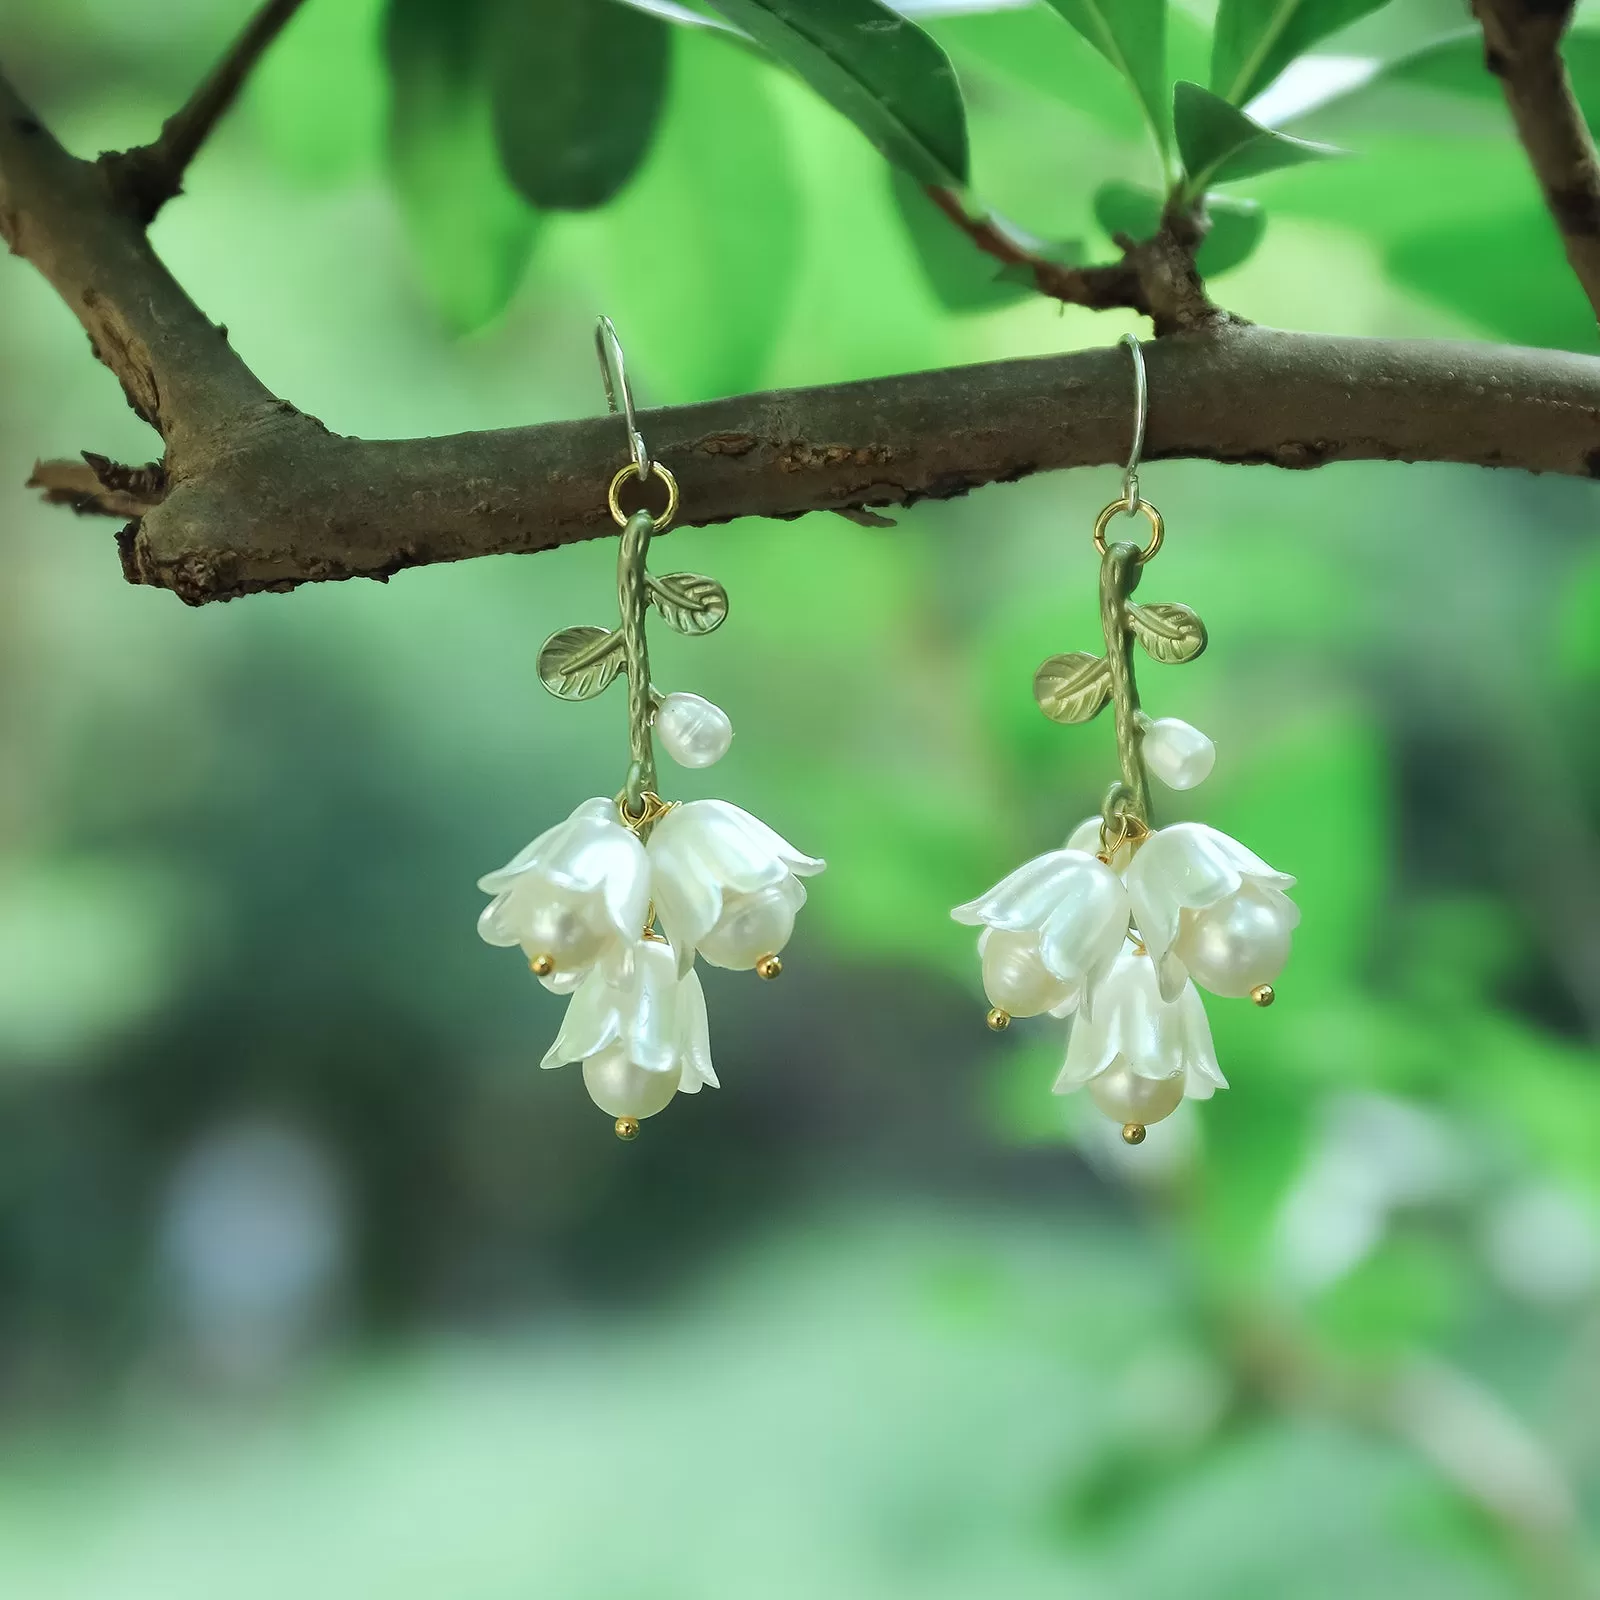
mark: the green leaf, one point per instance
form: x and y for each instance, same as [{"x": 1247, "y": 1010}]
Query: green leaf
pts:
[
  {"x": 1505, "y": 271},
  {"x": 719, "y": 183},
  {"x": 962, "y": 277},
  {"x": 578, "y": 87},
  {"x": 1453, "y": 65},
  {"x": 1220, "y": 144},
  {"x": 884, "y": 73},
  {"x": 1254, "y": 40},
  {"x": 688, "y": 602},
  {"x": 470, "y": 233},
  {"x": 1236, "y": 225},
  {"x": 1073, "y": 688},
  {"x": 577, "y": 663},
  {"x": 1028, "y": 45},
  {"x": 1170, "y": 633},
  {"x": 1132, "y": 36}
]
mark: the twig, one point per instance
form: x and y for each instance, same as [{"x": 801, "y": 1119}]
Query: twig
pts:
[
  {"x": 1156, "y": 277},
  {"x": 150, "y": 175},
  {"x": 96, "y": 486},
  {"x": 1522, "y": 47}
]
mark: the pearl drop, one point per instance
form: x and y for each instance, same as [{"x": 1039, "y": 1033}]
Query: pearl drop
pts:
[
  {"x": 751, "y": 926},
  {"x": 1015, "y": 979},
  {"x": 1240, "y": 942},
  {"x": 1124, "y": 1096},
  {"x": 692, "y": 731},
  {"x": 571, "y": 929},
  {"x": 622, "y": 1089},
  {"x": 1178, "y": 754}
]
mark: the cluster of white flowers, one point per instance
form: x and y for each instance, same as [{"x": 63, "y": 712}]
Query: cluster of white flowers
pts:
[
  {"x": 582, "y": 901},
  {"x": 1117, "y": 939}
]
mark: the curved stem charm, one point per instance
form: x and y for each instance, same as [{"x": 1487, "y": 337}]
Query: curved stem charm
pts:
[
  {"x": 1119, "y": 576},
  {"x": 633, "y": 602},
  {"x": 1077, "y": 687}
]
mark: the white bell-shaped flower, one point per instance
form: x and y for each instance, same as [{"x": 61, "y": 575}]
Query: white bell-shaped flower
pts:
[
  {"x": 1139, "y": 1054},
  {"x": 574, "y": 898},
  {"x": 725, "y": 884},
  {"x": 640, "y": 1041},
  {"x": 1054, "y": 927},
  {"x": 1209, "y": 909}
]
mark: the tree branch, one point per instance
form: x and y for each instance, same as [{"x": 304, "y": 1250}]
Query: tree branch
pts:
[
  {"x": 257, "y": 496},
  {"x": 1156, "y": 277},
  {"x": 1522, "y": 47},
  {"x": 149, "y": 175},
  {"x": 306, "y": 505}
]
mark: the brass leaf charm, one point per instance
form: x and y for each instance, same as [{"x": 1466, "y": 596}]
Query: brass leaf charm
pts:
[
  {"x": 688, "y": 602},
  {"x": 1170, "y": 633},
  {"x": 577, "y": 663},
  {"x": 1074, "y": 687}
]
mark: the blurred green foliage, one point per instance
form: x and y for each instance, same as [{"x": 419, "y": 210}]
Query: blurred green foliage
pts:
[{"x": 309, "y": 1280}]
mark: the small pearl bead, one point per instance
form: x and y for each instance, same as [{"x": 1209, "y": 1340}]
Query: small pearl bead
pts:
[
  {"x": 570, "y": 929},
  {"x": 692, "y": 731},
  {"x": 621, "y": 1089},
  {"x": 1127, "y": 1097},
  {"x": 1179, "y": 755},
  {"x": 1237, "y": 945},
  {"x": 1015, "y": 979},
  {"x": 751, "y": 926}
]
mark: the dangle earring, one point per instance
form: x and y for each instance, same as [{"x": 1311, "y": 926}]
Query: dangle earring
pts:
[
  {"x": 1116, "y": 929},
  {"x": 584, "y": 900}
]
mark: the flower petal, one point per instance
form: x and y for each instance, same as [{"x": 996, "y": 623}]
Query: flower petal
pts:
[
  {"x": 1089, "y": 924},
  {"x": 1088, "y": 1054},
  {"x": 627, "y": 886},
  {"x": 592, "y": 1021},
  {"x": 764, "y": 838},
  {"x": 695, "y": 1038},
  {"x": 550, "y": 842},
  {"x": 1186, "y": 1038},
  {"x": 493, "y": 924},
  {"x": 1025, "y": 900},
  {"x": 687, "y": 900},
  {"x": 710, "y": 836},
  {"x": 650, "y": 1018}
]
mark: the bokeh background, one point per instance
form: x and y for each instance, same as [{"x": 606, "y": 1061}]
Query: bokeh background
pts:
[{"x": 311, "y": 1283}]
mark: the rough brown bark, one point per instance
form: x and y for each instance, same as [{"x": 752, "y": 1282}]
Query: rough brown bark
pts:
[
  {"x": 254, "y": 495},
  {"x": 300, "y": 504}
]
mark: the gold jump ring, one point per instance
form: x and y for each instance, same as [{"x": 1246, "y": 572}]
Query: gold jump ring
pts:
[
  {"x": 1101, "y": 523},
  {"x": 631, "y": 470}
]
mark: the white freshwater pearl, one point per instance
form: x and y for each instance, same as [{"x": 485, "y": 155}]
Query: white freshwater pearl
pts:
[
  {"x": 1178, "y": 754},
  {"x": 1015, "y": 979},
  {"x": 622, "y": 1089},
  {"x": 572, "y": 930},
  {"x": 692, "y": 731},
  {"x": 1124, "y": 1096},
  {"x": 1238, "y": 943},
  {"x": 751, "y": 926}
]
